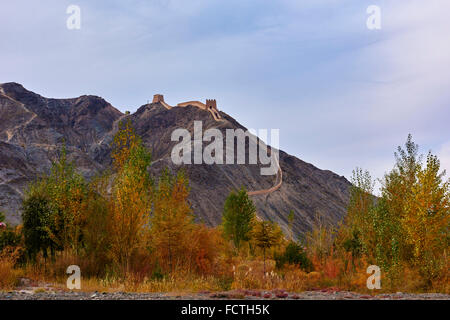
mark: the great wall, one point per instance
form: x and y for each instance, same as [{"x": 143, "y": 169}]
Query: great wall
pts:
[{"x": 211, "y": 107}]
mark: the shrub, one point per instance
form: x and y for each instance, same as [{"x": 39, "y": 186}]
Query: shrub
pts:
[
  {"x": 295, "y": 255},
  {"x": 9, "y": 238}
]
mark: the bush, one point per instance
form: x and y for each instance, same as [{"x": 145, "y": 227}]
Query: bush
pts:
[
  {"x": 294, "y": 255},
  {"x": 9, "y": 238}
]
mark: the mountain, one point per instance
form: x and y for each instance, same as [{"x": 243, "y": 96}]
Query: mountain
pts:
[{"x": 33, "y": 130}]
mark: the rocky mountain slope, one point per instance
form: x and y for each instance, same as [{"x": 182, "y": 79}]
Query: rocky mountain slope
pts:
[{"x": 33, "y": 129}]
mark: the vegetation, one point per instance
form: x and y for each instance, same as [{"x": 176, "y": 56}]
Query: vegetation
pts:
[
  {"x": 406, "y": 230},
  {"x": 238, "y": 217},
  {"x": 294, "y": 254},
  {"x": 266, "y": 234},
  {"x": 129, "y": 230}
]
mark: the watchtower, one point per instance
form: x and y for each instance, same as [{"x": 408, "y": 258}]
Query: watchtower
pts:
[
  {"x": 211, "y": 104},
  {"x": 158, "y": 98}
]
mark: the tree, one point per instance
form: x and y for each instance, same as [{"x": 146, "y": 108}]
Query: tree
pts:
[
  {"x": 96, "y": 232},
  {"x": 426, "y": 218},
  {"x": 418, "y": 197},
  {"x": 266, "y": 234},
  {"x": 388, "y": 239},
  {"x": 356, "y": 234},
  {"x": 66, "y": 192},
  {"x": 238, "y": 216},
  {"x": 52, "y": 210},
  {"x": 130, "y": 200},
  {"x": 37, "y": 220},
  {"x": 408, "y": 224},
  {"x": 171, "y": 222}
]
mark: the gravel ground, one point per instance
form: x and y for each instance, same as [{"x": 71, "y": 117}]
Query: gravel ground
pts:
[{"x": 326, "y": 294}]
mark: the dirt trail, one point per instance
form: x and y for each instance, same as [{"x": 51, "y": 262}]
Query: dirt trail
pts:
[{"x": 278, "y": 178}]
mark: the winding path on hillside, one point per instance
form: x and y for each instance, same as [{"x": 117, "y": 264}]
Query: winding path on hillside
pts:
[{"x": 277, "y": 186}]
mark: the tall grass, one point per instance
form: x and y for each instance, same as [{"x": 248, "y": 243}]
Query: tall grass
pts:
[{"x": 9, "y": 275}]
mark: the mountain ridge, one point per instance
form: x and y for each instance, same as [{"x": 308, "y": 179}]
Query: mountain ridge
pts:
[{"x": 33, "y": 128}]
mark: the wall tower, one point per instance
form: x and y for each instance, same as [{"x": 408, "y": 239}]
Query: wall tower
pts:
[
  {"x": 211, "y": 104},
  {"x": 158, "y": 98}
]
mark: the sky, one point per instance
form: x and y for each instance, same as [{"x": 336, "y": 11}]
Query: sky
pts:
[{"x": 342, "y": 95}]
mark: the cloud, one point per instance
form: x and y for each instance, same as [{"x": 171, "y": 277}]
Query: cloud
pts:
[{"x": 341, "y": 95}]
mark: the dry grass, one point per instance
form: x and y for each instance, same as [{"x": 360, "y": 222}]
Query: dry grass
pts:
[
  {"x": 240, "y": 272},
  {"x": 189, "y": 284},
  {"x": 9, "y": 275}
]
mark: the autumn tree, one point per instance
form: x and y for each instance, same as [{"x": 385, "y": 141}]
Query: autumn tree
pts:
[
  {"x": 418, "y": 197},
  {"x": 408, "y": 224},
  {"x": 171, "y": 222},
  {"x": 266, "y": 234},
  {"x": 238, "y": 216},
  {"x": 130, "y": 202},
  {"x": 426, "y": 218}
]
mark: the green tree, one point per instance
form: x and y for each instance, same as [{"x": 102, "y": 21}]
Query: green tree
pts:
[
  {"x": 37, "y": 221},
  {"x": 96, "y": 235},
  {"x": 53, "y": 210},
  {"x": 356, "y": 234},
  {"x": 388, "y": 239},
  {"x": 66, "y": 191},
  {"x": 238, "y": 217}
]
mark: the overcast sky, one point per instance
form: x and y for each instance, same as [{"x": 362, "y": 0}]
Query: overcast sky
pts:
[{"x": 342, "y": 95}]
